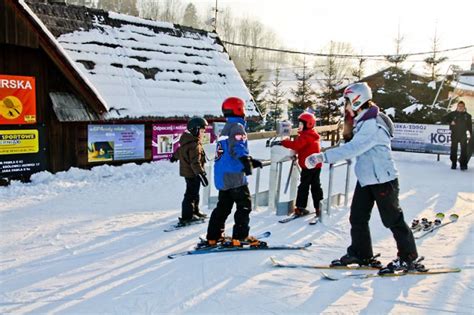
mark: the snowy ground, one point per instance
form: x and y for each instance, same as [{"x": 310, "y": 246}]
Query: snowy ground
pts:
[{"x": 93, "y": 242}]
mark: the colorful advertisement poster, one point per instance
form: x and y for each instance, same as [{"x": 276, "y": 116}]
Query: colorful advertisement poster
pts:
[
  {"x": 422, "y": 138},
  {"x": 19, "y": 141},
  {"x": 17, "y": 100},
  {"x": 115, "y": 142},
  {"x": 165, "y": 139},
  {"x": 22, "y": 152}
]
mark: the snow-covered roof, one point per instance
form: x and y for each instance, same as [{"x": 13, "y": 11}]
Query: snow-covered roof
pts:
[
  {"x": 144, "y": 68},
  {"x": 464, "y": 82}
]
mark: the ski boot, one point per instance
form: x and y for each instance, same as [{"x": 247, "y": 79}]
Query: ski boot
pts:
[
  {"x": 317, "y": 212},
  {"x": 206, "y": 243},
  {"x": 301, "y": 212},
  {"x": 348, "y": 259},
  {"x": 401, "y": 266},
  {"x": 199, "y": 214},
  {"x": 250, "y": 241}
]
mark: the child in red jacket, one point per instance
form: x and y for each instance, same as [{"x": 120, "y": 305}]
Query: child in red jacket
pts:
[{"x": 306, "y": 144}]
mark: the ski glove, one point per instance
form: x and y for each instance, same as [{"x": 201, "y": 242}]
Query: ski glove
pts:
[
  {"x": 314, "y": 159},
  {"x": 256, "y": 163},
  {"x": 173, "y": 159},
  {"x": 203, "y": 179},
  {"x": 247, "y": 165}
]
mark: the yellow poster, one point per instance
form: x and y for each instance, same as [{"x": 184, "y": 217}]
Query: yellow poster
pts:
[{"x": 19, "y": 141}]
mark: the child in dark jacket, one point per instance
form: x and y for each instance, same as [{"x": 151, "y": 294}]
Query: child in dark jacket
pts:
[
  {"x": 191, "y": 159},
  {"x": 306, "y": 144}
]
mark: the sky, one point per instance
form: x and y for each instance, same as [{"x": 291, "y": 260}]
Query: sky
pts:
[{"x": 370, "y": 26}]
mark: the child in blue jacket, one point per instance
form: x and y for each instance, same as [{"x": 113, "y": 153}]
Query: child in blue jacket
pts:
[{"x": 232, "y": 165}]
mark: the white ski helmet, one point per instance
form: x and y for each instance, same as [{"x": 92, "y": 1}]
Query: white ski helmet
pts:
[{"x": 358, "y": 94}]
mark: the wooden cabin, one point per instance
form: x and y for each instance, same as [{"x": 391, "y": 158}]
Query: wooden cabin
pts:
[{"x": 102, "y": 82}]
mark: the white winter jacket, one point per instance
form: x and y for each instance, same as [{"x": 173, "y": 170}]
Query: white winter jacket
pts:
[{"x": 371, "y": 147}]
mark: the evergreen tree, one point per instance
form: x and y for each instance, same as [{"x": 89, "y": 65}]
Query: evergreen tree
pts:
[
  {"x": 303, "y": 96},
  {"x": 274, "y": 101},
  {"x": 434, "y": 60},
  {"x": 190, "y": 17},
  {"x": 336, "y": 71},
  {"x": 398, "y": 58},
  {"x": 254, "y": 83}
]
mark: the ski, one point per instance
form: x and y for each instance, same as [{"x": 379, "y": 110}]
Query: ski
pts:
[
  {"x": 314, "y": 220},
  {"x": 180, "y": 225},
  {"x": 258, "y": 237},
  {"x": 452, "y": 219},
  {"x": 429, "y": 272},
  {"x": 223, "y": 249},
  {"x": 281, "y": 264},
  {"x": 292, "y": 217}
]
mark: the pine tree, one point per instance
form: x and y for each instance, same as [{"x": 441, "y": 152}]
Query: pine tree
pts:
[
  {"x": 303, "y": 96},
  {"x": 274, "y": 101},
  {"x": 254, "y": 83},
  {"x": 190, "y": 17},
  {"x": 434, "y": 60},
  {"x": 336, "y": 70},
  {"x": 398, "y": 58}
]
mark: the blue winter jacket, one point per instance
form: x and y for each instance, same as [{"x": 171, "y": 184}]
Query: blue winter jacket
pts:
[
  {"x": 371, "y": 147},
  {"x": 231, "y": 145}
]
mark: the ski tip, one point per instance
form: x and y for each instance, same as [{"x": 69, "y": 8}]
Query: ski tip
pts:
[
  {"x": 326, "y": 276},
  {"x": 308, "y": 245},
  {"x": 274, "y": 261}
]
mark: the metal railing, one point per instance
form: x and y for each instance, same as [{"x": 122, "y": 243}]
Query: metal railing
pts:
[{"x": 330, "y": 198}]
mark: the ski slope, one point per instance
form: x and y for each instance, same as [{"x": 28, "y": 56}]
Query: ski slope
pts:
[{"x": 92, "y": 241}]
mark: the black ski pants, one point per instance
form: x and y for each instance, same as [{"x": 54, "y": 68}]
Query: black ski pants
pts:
[
  {"x": 386, "y": 197},
  {"x": 310, "y": 179},
  {"x": 190, "y": 204},
  {"x": 454, "y": 150},
  {"x": 243, "y": 200}
]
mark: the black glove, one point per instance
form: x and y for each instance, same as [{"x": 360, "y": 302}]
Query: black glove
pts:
[
  {"x": 256, "y": 163},
  {"x": 247, "y": 165},
  {"x": 173, "y": 159},
  {"x": 203, "y": 179},
  {"x": 275, "y": 143}
]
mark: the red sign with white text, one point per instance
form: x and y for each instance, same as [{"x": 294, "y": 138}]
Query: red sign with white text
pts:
[{"x": 17, "y": 100}]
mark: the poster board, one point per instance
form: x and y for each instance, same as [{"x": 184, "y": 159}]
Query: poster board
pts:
[
  {"x": 422, "y": 138},
  {"x": 17, "y": 100},
  {"x": 115, "y": 143}
]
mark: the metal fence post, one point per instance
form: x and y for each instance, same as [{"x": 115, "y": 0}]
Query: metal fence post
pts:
[
  {"x": 207, "y": 191},
  {"x": 328, "y": 204},
  {"x": 257, "y": 188},
  {"x": 346, "y": 190}
]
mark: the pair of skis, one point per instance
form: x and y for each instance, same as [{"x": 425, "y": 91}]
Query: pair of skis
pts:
[
  {"x": 292, "y": 217},
  {"x": 245, "y": 247},
  {"x": 325, "y": 275},
  {"x": 181, "y": 225},
  {"x": 425, "y": 227}
]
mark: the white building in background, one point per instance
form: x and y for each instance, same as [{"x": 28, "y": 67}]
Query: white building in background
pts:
[{"x": 464, "y": 88}]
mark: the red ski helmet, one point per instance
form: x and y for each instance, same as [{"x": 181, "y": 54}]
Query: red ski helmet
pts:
[
  {"x": 233, "y": 106},
  {"x": 308, "y": 120}
]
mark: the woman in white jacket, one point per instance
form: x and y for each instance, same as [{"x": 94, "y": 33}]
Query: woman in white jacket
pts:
[{"x": 377, "y": 182}]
